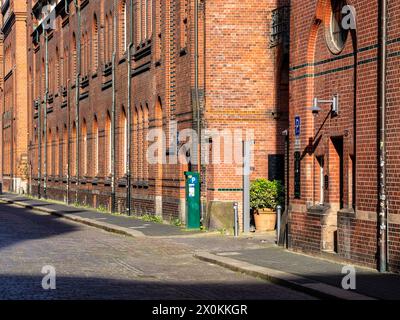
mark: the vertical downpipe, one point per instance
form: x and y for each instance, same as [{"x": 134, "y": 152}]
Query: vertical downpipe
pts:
[
  {"x": 46, "y": 94},
  {"x": 383, "y": 241},
  {"x": 68, "y": 121},
  {"x": 68, "y": 139},
  {"x": 77, "y": 89},
  {"x": 113, "y": 111},
  {"x": 128, "y": 114},
  {"x": 196, "y": 82},
  {"x": 39, "y": 145}
]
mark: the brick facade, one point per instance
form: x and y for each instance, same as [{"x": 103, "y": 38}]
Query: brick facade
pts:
[
  {"x": 345, "y": 222},
  {"x": 14, "y": 103},
  {"x": 242, "y": 80}
]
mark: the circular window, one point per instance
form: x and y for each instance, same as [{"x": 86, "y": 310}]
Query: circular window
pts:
[{"x": 336, "y": 35}]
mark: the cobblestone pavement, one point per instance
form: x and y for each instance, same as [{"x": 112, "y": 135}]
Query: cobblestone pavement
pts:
[{"x": 94, "y": 264}]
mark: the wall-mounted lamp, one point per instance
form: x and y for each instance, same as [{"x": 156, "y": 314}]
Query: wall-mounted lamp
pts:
[{"x": 334, "y": 105}]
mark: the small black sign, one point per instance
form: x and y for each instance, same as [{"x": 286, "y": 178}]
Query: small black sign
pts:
[
  {"x": 276, "y": 167},
  {"x": 297, "y": 175}
]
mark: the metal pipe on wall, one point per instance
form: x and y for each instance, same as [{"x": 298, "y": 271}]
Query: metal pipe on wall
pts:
[
  {"x": 39, "y": 149},
  {"x": 383, "y": 224},
  {"x": 128, "y": 115},
  {"x": 113, "y": 107},
  {"x": 46, "y": 94},
  {"x": 68, "y": 140},
  {"x": 77, "y": 89},
  {"x": 196, "y": 82}
]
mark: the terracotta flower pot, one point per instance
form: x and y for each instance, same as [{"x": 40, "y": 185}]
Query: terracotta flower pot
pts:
[{"x": 265, "y": 219}]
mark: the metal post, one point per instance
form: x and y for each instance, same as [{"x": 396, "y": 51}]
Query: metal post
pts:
[
  {"x": 236, "y": 217},
  {"x": 246, "y": 184},
  {"x": 278, "y": 223}
]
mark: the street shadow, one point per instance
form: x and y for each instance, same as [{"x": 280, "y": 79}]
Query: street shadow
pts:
[
  {"x": 23, "y": 287},
  {"x": 21, "y": 224}
]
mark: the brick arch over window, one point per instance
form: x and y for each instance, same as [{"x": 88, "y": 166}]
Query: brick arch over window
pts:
[
  {"x": 95, "y": 146},
  {"x": 123, "y": 139},
  {"x": 108, "y": 144},
  {"x": 57, "y": 153},
  {"x": 73, "y": 151},
  {"x": 50, "y": 150},
  {"x": 84, "y": 148},
  {"x": 65, "y": 150}
]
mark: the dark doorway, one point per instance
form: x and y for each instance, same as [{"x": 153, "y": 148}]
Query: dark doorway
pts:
[{"x": 338, "y": 168}]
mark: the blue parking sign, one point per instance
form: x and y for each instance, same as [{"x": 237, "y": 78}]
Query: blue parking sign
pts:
[{"x": 297, "y": 126}]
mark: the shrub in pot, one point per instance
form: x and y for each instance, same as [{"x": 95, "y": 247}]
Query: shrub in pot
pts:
[{"x": 265, "y": 196}]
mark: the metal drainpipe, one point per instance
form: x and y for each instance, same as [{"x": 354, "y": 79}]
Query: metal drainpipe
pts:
[
  {"x": 68, "y": 139},
  {"x": 196, "y": 81},
  {"x": 39, "y": 148},
  {"x": 66, "y": 8},
  {"x": 113, "y": 111},
  {"x": 46, "y": 94},
  {"x": 383, "y": 250},
  {"x": 128, "y": 116},
  {"x": 198, "y": 111},
  {"x": 77, "y": 89}
]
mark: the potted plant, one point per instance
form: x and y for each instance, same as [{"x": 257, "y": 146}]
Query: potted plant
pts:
[{"x": 265, "y": 196}]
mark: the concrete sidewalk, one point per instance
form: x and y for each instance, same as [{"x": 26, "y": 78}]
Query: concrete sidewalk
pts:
[
  {"x": 120, "y": 224},
  {"x": 310, "y": 274}
]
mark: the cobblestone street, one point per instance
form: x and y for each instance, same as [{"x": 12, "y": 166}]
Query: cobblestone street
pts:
[{"x": 94, "y": 264}]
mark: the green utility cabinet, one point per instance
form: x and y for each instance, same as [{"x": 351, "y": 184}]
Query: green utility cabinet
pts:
[{"x": 192, "y": 200}]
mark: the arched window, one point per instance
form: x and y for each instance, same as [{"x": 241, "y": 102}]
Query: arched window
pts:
[
  {"x": 140, "y": 142},
  {"x": 336, "y": 35},
  {"x": 108, "y": 144},
  {"x": 57, "y": 153},
  {"x": 135, "y": 143},
  {"x": 84, "y": 148},
  {"x": 73, "y": 151},
  {"x": 145, "y": 144},
  {"x": 95, "y": 134},
  {"x": 95, "y": 44},
  {"x": 124, "y": 137},
  {"x": 49, "y": 146},
  {"x": 65, "y": 151}
]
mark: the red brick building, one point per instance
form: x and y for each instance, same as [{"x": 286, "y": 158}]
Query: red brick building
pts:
[
  {"x": 92, "y": 104},
  {"x": 14, "y": 102},
  {"x": 339, "y": 183}
]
